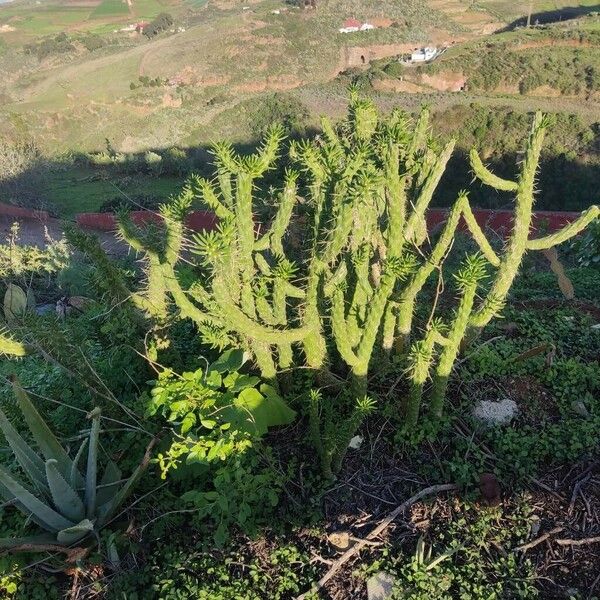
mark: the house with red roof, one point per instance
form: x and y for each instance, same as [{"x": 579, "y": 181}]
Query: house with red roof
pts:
[{"x": 353, "y": 25}]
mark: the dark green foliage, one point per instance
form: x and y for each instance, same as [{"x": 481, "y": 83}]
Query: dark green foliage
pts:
[
  {"x": 49, "y": 46},
  {"x": 282, "y": 109},
  {"x": 470, "y": 557},
  {"x": 586, "y": 248},
  {"x": 162, "y": 22},
  {"x": 178, "y": 571}
]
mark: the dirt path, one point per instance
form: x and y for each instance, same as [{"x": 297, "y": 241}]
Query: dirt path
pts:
[{"x": 36, "y": 233}]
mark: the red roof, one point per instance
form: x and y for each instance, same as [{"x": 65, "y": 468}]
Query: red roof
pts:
[{"x": 352, "y": 23}]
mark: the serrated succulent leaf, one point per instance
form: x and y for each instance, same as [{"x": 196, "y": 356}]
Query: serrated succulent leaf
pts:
[
  {"x": 43, "y": 436},
  {"x": 30, "y": 462},
  {"x": 65, "y": 498},
  {"x": 52, "y": 520},
  {"x": 92, "y": 465},
  {"x": 73, "y": 534}
]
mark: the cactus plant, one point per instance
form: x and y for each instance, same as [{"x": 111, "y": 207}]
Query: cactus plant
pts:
[
  {"x": 69, "y": 505},
  {"x": 365, "y": 260}
]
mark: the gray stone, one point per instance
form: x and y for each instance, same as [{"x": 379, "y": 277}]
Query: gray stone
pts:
[
  {"x": 380, "y": 586},
  {"x": 490, "y": 412}
]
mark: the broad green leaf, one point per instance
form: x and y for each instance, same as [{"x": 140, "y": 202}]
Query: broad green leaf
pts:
[
  {"x": 65, "y": 498},
  {"x": 15, "y": 302},
  {"x": 73, "y": 534},
  {"x": 51, "y": 520},
  {"x": 236, "y": 382},
  {"x": 255, "y": 411},
  {"x": 229, "y": 361},
  {"x": 213, "y": 379},
  {"x": 188, "y": 422}
]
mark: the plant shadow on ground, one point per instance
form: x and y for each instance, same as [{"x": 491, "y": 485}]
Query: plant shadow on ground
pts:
[{"x": 565, "y": 13}]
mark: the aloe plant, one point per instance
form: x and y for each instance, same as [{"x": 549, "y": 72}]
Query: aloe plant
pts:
[{"x": 69, "y": 504}]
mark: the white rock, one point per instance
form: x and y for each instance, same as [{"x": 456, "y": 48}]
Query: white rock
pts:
[
  {"x": 380, "y": 586},
  {"x": 493, "y": 413},
  {"x": 355, "y": 442}
]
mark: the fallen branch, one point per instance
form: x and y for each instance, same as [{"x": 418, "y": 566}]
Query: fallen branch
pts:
[
  {"x": 590, "y": 540},
  {"x": 335, "y": 567},
  {"x": 539, "y": 540}
]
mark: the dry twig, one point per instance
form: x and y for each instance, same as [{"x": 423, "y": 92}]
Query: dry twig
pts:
[{"x": 337, "y": 565}]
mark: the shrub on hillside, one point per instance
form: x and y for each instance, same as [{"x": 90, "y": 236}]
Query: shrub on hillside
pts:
[
  {"x": 163, "y": 21},
  {"x": 282, "y": 109}
]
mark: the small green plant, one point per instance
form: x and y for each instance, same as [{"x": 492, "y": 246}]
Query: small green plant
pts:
[
  {"x": 586, "y": 247},
  {"x": 330, "y": 433},
  {"x": 216, "y": 412},
  {"x": 70, "y": 506}
]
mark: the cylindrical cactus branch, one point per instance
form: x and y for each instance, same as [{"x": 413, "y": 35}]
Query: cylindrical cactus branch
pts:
[
  {"x": 11, "y": 347},
  {"x": 468, "y": 279},
  {"x": 247, "y": 281},
  {"x": 519, "y": 241}
]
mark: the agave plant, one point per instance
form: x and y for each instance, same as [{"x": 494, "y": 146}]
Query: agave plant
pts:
[{"x": 70, "y": 505}]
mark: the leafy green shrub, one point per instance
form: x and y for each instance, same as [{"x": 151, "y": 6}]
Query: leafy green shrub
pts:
[
  {"x": 394, "y": 69},
  {"x": 162, "y": 22},
  {"x": 217, "y": 412},
  {"x": 282, "y": 109},
  {"x": 586, "y": 247}
]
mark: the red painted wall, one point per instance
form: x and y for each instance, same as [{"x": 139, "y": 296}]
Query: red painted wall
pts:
[{"x": 10, "y": 210}]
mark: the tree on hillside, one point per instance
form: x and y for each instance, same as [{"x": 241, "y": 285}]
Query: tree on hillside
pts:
[{"x": 163, "y": 21}]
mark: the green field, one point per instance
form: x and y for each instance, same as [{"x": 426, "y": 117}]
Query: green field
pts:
[{"x": 110, "y": 8}]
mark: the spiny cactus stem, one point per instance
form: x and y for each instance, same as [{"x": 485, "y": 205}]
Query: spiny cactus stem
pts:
[
  {"x": 487, "y": 177},
  {"x": 451, "y": 349},
  {"x": 415, "y": 222},
  {"x": 419, "y": 374},
  {"x": 407, "y": 297},
  {"x": 478, "y": 235},
  {"x": 244, "y": 222},
  {"x": 567, "y": 232},
  {"x": 239, "y": 321},
  {"x": 264, "y": 361},
  {"x": 517, "y": 245},
  {"x": 340, "y": 329}
]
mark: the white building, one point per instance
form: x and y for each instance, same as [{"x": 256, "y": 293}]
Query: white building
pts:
[
  {"x": 424, "y": 54},
  {"x": 352, "y": 26}
]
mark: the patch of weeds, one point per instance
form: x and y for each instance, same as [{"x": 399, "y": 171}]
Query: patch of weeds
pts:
[{"x": 464, "y": 552}]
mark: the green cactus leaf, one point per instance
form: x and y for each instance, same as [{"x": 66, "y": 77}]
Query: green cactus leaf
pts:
[
  {"x": 52, "y": 520},
  {"x": 92, "y": 465},
  {"x": 75, "y": 533},
  {"x": 30, "y": 462},
  {"x": 106, "y": 511},
  {"x": 32, "y": 543},
  {"x": 75, "y": 475},
  {"x": 65, "y": 498},
  {"x": 43, "y": 436}
]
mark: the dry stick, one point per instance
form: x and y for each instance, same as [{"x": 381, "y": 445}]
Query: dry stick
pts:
[
  {"x": 590, "y": 540},
  {"x": 335, "y": 567},
  {"x": 539, "y": 540}
]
